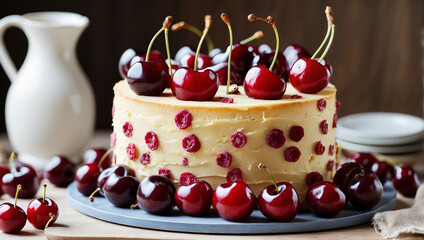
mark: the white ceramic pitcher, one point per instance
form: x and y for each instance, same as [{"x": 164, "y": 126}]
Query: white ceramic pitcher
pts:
[{"x": 50, "y": 106}]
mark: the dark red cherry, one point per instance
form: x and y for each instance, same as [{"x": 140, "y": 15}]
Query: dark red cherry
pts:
[
  {"x": 256, "y": 50},
  {"x": 24, "y": 175},
  {"x": 94, "y": 155},
  {"x": 86, "y": 178},
  {"x": 194, "y": 199},
  {"x": 129, "y": 54},
  {"x": 406, "y": 181},
  {"x": 345, "y": 173},
  {"x": 203, "y": 61},
  {"x": 191, "y": 85},
  {"x": 261, "y": 83},
  {"x": 184, "y": 51},
  {"x": 280, "y": 67},
  {"x": 364, "y": 159},
  {"x": 60, "y": 171},
  {"x": 214, "y": 52},
  {"x": 381, "y": 169},
  {"x": 325, "y": 199},
  {"x": 222, "y": 70},
  {"x": 327, "y": 65},
  {"x": 121, "y": 186},
  {"x": 155, "y": 195},
  {"x": 12, "y": 217},
  {"x": 309, "y": 76},
  {"x": 234, "y": 201},
  {"x": 279, "y": 206},
  {"x": 41, "y": 210},
  {"x": 364, "y": 190},
  {"x": 241, "y": 58},
  {"x": 294, "y": 52},
  {"x": 148, "y": 78},
  {"x": 154, "y": 55},
  {"x": 3, "y": 170}
]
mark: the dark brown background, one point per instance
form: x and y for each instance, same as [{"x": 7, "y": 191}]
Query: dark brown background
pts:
[{"x": 376, "y": 55}]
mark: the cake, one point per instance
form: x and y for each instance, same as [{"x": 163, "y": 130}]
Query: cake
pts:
[{"x": 225, "y": 139}]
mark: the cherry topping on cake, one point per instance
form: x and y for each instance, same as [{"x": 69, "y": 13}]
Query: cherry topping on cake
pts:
[
  {"x": 294, "y": 52},
  {"x": 330, "y": 165},
  {"x": 128, "y": 129},
  {"x": 227, "y": 100},
  {"x": 145, "y": 158},
  {"x": 314, "y": 177},
  {"x": 238, "y": 139},
  {"x": 292, "y": 154},
  {"x": 113, "y": 139},
  {"x": 324, "y": 126},
  {"x": 322, "y": 104},
  {"x": 164, "y": 172},
  {"x": 131, "y": 151},
  {"x": 234, "y": 175},
  {"x": 183, "y": 119},
  {"x": 331, "y": 150},
  {"x": 187, "y": 178},
  {"x": 191, "y": 143},
  {"x": 275, "y": 138},
  {"x": 319, "y": 148},
  {"x": 335, "y": 120},
  {"x": 224, "y": 159},
  {"x": 296, "y": 133},
  {"x": 151, "y": 140},
  {"x": 185, "y": 161}
]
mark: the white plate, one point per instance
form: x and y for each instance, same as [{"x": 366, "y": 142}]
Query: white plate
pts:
[
  {"x": 380, "y": 128},
  {"x": 400, "y": 149}
]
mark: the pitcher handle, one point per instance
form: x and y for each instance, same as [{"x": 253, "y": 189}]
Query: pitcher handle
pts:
[{"x": 5, "y": 60}]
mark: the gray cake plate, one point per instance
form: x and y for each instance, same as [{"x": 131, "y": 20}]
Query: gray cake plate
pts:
[{"x": 212, "y": 223}]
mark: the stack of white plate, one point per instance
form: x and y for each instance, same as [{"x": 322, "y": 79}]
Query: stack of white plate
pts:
[{"x": 393, "y": 134}]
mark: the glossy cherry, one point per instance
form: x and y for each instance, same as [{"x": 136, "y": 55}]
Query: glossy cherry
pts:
[
  {"x": 42, "y": 211},
  {"x": 12, "y": 217},
  {"x": 3, "y": 170},
  {"x": 121, "y": 186},
  {"x": 155, "y": 195},
  {"x": 281, "y": 205},
  {"x": 234, "y": 201},
  {"x": 294, "y": 52},
  {"x": 364, "y": 159},
  {"x": 405, "y": 181},
  {"x": 261, "y": 83},
  {"x": 185, "y": 50},
  {"x": 345, "y": 173},
  {"x": 93, "y": 155},
  {"x": 325, "y": 199},
  {"x": 221, "y": 69},
  {"x": 203, "y": 61},
  {"x": 266, "y": 59},
  {"x": 130, "y": 56},
  {"x": 241, "y": 58},
  {"x": 60, "y": 171},
  {"x": 86, "y": 178},
  {"x": 194, "y": 199},
  {"x": 364, "y": 190},
  {"x": 381, "y": 169}
]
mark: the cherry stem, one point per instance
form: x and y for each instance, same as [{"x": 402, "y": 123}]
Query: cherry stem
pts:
[
  {"x": 52, "y": 216},
  {"x": 226, "y": 19},
  {"x": 270, "y": 20},
  {"x": 195, "y": 30},
  {"x": 91, "y": 197},
  {"x": 261, "y": 166},
  {"x": 330, "y": 33},
  {"x": 323, "y": 42},
  {"x": 166, "y": 25},
  {"x": 256, "y": 35},
  {"x": 104, "y": 156},
  {"x": 12, "y": 162},
  {"x": 44, "y": 192},
  {"x": 134, "y": 206},
  {"x": 329, "y": 44},
  {"x": 208, "y": 20},
  {"x": 19, "y": 187}
]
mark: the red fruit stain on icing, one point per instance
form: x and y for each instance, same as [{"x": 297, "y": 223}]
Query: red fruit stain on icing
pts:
[
  {"x": 131, "y": 151},
  {"x": 322, "y": 104},
  {"x": 335, "y": 120},
  {"x": 330, "y": 165},
  {"x": 324, "y": 126},
  {"x": 295, "y": 96},
  {"x": 145, "y": 158},
  {"x": 296, "y": 133},
  {"x": 238, "y": 139},
  {"x": 151, "y": 140},
  {"x": 319, "y": 148},
  {"x": 314, "y": 177},
  {"x": 165, "y": 172},
  {"x": 128, "y": 129},
  {"x": 185, "y": 161},
  {"x": 191, "y": 143},
  {"x": 227, "y": 100},
  {"x": 292, "y": 154},
  {"x": 112, "y": 140},
  {"x": 183, "y": 119},
  {"x": 224, "y": 159},
  {"x": 234, "y": 175},
  {"x": 331, "y": 149},
  {"x": 187, "y": 178},
  {"x": 275, "y": 138},
  {"x": 338, "y": 103}
]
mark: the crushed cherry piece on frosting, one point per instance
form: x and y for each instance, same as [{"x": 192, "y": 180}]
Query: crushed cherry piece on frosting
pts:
[
  {"x": 295, "y": 96},
  {"x": 275, "y": 138},
  {"x": 314, "y": 177},
  {"x": 330, "y": 165},
  {"x": 113, "y": 110},
  {"x": 234, "y": 175},
  {"x": 183, "y": 119},
  {"x": 338, "y": 103},
  {"x": 112, "y": 140},
  {"x": 151, "y": 140},
  {"x": 145, "y": 158},
  {"x": 324, "y": 126},
  {"x": 224, "y": 159},
  {"x": 185, "y": 161},
  {"x": 319, "y": 148},
  {"x": 322, "y": 104},
  {"x": 131, "y": 151},
  {"x": 335, "y": 120},
  {"x": 227, "y": 100},
  {"x": 187, "y": 178},
  {"x": 292, "y": 154},
  {"x": 128, "y": 129},
  {"x": 331, "y": 149},
  {"x": 238, "y": 139},
  {"x": 165, "y": 172},
  {"x": 296, "y": 133},
  {"x": 191, "y": 143}
]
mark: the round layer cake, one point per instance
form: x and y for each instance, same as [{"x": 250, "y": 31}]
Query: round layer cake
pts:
[{"x": 227, "y": 138}]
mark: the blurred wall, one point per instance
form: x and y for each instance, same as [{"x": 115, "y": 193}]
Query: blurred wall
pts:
[{"x": 376, "y": 54}]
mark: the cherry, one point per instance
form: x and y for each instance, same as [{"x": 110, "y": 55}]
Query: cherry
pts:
[
  {"x": 23, "y": 175},
  {"x": 60, "y": 171},
  {"x": 364, "y": 190},
  {"x": 194, "y": 85},
  {"x": 234, "y": 201},
  {"x": 101, "y": 180},
  {"x": 364, "y": 159},
  {"x": 121, "y": 186},
  {"x": 294, "y": 52},
  {"x": 278, "y": 202},
  {"x": 405, "y": 181},
  {"x": 182, "y": 52},
  {"x": 151, "y": 77},
  {"x": 3, "y": 170},
  {"x": 221, "y": 69},
  {"x": 155, "y": 194},
  {"x": 308, "y": 75},
  {"x": 203, "y": 61},
  {"x": 241, "y": 58},
  {"x": 42, "y": 211},
  {"x": 194, "y": 199},
  {"x": 86, "y": 178},
  {"x": 345, "y": 173},
  {"x": 12, "y": 217},
  {"x": 94, "y": 155},
  {"x": 381, "y": 169},
  {"x": 127, "y": 59},
  {"x": 266, "y": 59},
  {"x": 325, "y": 199},
  {"x": 260, "y": 82}
]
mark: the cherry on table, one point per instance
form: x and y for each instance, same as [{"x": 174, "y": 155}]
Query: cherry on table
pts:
[
  {"x": 3, "y": 170},
  {"x": 42, "y": 212},
  {"x": 86, "y": 178},
  {"x": 345, "y": 173},
  {"x": 405, "y": 181},
  {"x": 325, "y": 199},
  {"x": 121, "y": 186},
  {"x": 60, "y": 171},
  {"x": 155, "y": 195},
  {"x": 364, "y": 190},
  {"x": 12, "y": 217},
  {"x": 94, "y": 155},
  {"x": 194, "y": 199},
  {"x": 381, "y": 169},
  {"x": 365, "y": 159}
]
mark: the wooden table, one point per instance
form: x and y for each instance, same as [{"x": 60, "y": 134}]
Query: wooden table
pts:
[{"x": 74, "y": 225}]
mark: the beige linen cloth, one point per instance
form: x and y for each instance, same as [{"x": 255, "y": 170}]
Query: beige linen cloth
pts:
[{"x": 391, "y": 224}]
